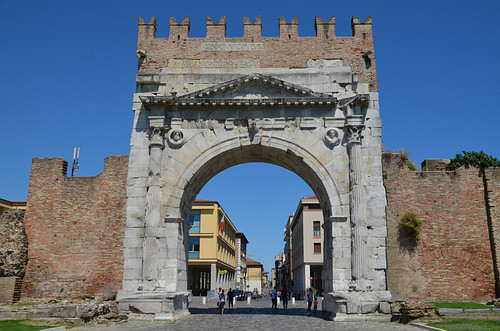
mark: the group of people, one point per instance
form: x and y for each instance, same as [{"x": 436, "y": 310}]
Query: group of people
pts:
[
  {"x": 283, "y": 295},
  {"x": 312, "y": 300},
  {"x": 221, "y": 299}
]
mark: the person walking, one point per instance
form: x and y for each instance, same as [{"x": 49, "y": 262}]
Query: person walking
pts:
[
  {"x": 222, "y": 301},
  {"x": 284, "y": 298},
  {"x": 274, "y": 299},
  {"x": 218, "y": 296},
  {"x": 230, "y": 296},
  {"x": 310, "y": 298}
]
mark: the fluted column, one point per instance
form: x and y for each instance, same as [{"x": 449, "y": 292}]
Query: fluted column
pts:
[
  {"x": 151, "y": 251},
  {"x": 359, "y": 235}
]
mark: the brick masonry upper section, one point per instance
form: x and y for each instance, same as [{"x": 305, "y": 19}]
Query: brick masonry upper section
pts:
[{"x": 252, "y": 50}]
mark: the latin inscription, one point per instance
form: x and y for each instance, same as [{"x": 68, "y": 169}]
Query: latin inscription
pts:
[
  {"x": 214, "y": 63},
  {"x": 228, "y": 47}
]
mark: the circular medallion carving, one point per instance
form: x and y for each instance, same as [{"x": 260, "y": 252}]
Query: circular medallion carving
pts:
[
  {"x": 332, "y": 137},
  {"x": 176, "y": 138}
]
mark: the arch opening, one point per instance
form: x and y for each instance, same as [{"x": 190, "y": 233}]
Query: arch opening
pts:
[{"x": 250, "y": 154}]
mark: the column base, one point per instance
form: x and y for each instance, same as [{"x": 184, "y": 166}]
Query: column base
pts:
[
  {"x": 358, "y": 306},
  {"x": 156, "y": 305}
]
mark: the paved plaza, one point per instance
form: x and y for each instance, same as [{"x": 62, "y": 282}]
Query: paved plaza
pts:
[{"x": 257, "y": 315}]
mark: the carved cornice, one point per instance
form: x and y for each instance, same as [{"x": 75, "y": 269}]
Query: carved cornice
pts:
[
  {"x": 226, "y": 102},
  {"x": 153, "y": 100}
]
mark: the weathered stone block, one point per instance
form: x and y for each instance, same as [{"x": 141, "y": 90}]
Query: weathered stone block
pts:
[{"x": 362, "y": 307}]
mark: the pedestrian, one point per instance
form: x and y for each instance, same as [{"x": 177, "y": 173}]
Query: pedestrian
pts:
[
  {"x": 274, "y": 299},
  {"x": 284, "y": 298},
  {"x": 310, "y": 297},
  {"x": 230, "y": 296},
  {"x": 222, "y": 298},
  {"x": 218, "y": 296},
  {"x": 315, "y": 306}
]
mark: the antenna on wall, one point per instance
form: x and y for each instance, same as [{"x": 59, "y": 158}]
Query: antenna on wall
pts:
[{"x": 75, "y": 165}]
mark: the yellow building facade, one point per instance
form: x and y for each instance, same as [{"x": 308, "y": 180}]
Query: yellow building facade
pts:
[
  {"x": 254, "y": 273},
  {"x": 212, "y": 249}
]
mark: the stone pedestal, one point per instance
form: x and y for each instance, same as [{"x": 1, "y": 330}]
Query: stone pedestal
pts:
[
  {"x": 157, "y": 304},
  {"x": 373, "y": 305}
]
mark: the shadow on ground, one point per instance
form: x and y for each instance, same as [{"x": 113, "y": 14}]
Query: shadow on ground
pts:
[{"x": 254, "y": 311}]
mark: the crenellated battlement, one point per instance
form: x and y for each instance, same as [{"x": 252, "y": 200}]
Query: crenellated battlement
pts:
[
  {"x": 287, "y": 30},
  {"x": 252, "y": 51}
]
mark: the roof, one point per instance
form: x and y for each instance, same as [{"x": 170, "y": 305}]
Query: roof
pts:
[
  {"x": 300, "y": 207},
  {"x": 205, "y": 201},
  {"x": 201, "y": 202},
  {"x": 242, "y": 235},
  {"x": 253, "y": 262},
  {"x": 12, "y": 204}
]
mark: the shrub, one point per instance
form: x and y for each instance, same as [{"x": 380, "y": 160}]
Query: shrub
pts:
[
  {"x": 412, "y": 166},
  {"x": 410, "y": 224},
  {"x": 476, "y": 159}
]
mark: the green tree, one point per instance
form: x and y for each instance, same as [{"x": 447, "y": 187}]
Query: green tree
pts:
[{"x": 476, "y": 159}]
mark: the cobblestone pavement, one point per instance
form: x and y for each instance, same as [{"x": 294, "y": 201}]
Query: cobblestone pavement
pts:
[{"x": 257, "y": 315}]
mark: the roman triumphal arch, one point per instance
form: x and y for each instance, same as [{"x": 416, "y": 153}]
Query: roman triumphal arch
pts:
[{"x": 203, "y": 105}]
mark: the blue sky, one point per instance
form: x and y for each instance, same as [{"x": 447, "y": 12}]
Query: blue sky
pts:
[{"x": 67, "y": 77}]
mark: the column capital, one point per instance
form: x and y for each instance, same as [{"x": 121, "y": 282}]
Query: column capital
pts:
[
  {"x": 156, "y": 137},
  {"x": 354, "y": 125},
  {"x": 354, "y": 134},
  {"x": 156, "y": 124}
]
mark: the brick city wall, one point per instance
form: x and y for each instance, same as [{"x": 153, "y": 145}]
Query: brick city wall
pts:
[
  {"x": 286, "y": 51},
  {"x": 75, "y": 228},
  {"x": 453, "y": 260},
  {"x": 10, "y": 289}
]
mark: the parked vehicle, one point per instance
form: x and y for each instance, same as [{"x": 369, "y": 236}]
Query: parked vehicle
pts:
[
  {"x": 243, "y": 296},
  {"x": 237, "y": 293},
  {"x": 256, "y": 295}
]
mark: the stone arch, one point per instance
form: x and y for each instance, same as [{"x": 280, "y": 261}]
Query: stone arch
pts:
[
  {"x": 331, "y": 141},
  {"x": 207, "y": 165}
]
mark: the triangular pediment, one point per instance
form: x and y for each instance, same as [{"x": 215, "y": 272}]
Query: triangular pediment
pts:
[
  {"x": 251, "y": 90},
  {"x": 255, "y": 86}
]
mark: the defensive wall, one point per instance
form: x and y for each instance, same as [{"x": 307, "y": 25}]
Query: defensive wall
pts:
[
  {"x": 75, "y": 228},
  {"x": 455, "y": 258},
  {"x": 254, "y": 51}
]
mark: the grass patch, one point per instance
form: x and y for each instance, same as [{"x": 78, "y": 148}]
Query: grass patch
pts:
[
  {"x": 24, "y": 325},
  {"x": 467, "y": 324},
  {"x": 462, "y": 305}
]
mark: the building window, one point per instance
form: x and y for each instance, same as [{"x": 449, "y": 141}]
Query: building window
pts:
[
  {"x": 317, "y": 248},
  {"x": 194, "y": 221},
  {"x": 316, "y": 229},
  {"x": 194, "y": 247}
]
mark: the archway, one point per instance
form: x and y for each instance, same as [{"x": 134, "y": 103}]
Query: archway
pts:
[{"x": 180, "y": 142}]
